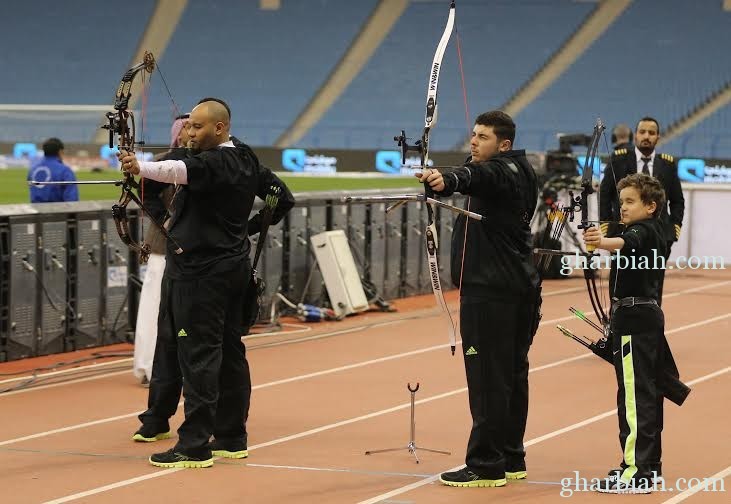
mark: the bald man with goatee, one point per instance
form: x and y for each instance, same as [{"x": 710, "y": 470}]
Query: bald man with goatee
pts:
[{"x": 204, "y": 288}]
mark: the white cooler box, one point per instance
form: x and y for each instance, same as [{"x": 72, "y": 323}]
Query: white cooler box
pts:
[{"x": 339, "y": 272}]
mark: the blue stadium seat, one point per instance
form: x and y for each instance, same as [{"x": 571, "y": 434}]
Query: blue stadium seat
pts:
[
  {"x": 267, "y": 64},
  {"x": 658, "y": 58},
  {"x": 503, "y": 44},
  {"x": 710, "y": 138},
  {"x": 64, "y": 52}
]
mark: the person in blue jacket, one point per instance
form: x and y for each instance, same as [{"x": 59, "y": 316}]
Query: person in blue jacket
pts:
[{"x": 50, "y": 168}]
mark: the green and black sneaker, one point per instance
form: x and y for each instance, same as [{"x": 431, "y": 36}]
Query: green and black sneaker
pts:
[
  {"x": 228, "y": 449},
  {"x": 172, "y": 460},
  {"x": 150, "y": 433},
  {"x": 516, "y": 471},
  {"x": 466, "y": 478}
]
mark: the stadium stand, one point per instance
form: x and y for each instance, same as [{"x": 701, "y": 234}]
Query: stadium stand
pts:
[
  {"x": 63, "y": 52},
  {"x": 266, "y": 63},
  {"x": 710, "y": 138},
  {"x": 680, "y": 49},
  {"x": 390, "y": 92},
  {"x": 269, "y": 64}
]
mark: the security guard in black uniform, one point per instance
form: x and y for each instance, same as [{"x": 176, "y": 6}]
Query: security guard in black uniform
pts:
[
  {"x": 644, "y": 159},
  {"x": 204, "y": 287},
  {"x": 499, "y": 292},
  {"x": 640, "y": 349}
]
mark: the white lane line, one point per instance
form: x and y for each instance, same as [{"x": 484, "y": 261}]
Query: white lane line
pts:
[
  {"x": 70, "y": 428},
  {"x": 698, "y": 289},
  {"x": 112, "y": 486},
  {"x": 78, "y": 368},
  {"x": 323, "y": 428},
  {"x": 568, "y": 290},
  {"x": 255, "y": 387},
  {"x": 699, "y": 323},
  {"x": 364, "y": 328},
  {"x": 313, "y": 431},
  {"x": 284, "y": 439},
  {"x": 270, "y": 384},
  {"x": 338, "y": 369},
  {"x": 100, "y": 376},
  {"x": 540, "y": 439},
  {"x": 266, "y": 385},
  {"x": 336, "y": 469},
  {"x": 706, "y": 484}
]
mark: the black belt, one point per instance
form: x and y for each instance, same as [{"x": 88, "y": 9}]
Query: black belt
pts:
[{"x": 629, "y": 302}]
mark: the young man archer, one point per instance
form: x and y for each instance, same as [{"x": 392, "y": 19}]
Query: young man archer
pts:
[
  {"x": 498, "y": 297},
  {"x": 638, "y": 334}
]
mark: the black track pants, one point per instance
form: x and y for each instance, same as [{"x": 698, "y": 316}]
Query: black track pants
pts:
[
  {"x": 205, "y": 317},
  {"x": 495, "y": 342},
  {"x": 640, "y": 352},
  {"x": 167, "y": 381}
]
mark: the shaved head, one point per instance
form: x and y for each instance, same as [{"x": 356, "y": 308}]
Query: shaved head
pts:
[
  {"x": 209, "y": 123},
  {"x": 214, "y": 112},
  {"x": 219, "y": 101},
  {"x": 218, "y": 112}
]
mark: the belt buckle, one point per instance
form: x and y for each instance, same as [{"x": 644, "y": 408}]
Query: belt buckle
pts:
[{"x": 633, "y": 302}]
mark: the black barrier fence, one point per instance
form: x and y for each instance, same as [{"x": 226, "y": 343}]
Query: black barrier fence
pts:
[
  {"x": 68, "y": 282},
  {"x": 65, "y": 279}
]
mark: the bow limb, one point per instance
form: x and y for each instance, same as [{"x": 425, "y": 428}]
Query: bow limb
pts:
[
  {"x": 119, "y": 214},
  {"x": 610, "y": 166},
  {"x": 432, "y": 251},
  {"x": 430, "y": 117}
]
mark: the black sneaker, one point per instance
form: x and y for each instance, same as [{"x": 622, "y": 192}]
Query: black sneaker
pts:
[
  {"x": 234, "y": 450},
  {"x": 150, "y": 433},
  {"x": 638, "y": 484},
  {"x": 172, "y": 459},
  {"x": 466, "y": 478},
  {"x": 516, "y": 471}
]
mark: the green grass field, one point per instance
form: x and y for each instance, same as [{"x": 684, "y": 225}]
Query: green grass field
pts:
[{"x": 14, "y": 188}]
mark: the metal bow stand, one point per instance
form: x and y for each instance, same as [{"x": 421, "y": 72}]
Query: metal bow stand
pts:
[{"x": 412, "y": 443}]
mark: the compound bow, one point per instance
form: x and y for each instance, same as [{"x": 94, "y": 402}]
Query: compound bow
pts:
[
  {"x": 557, "y": 220},
  {"x": 122, "y": 124}
]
